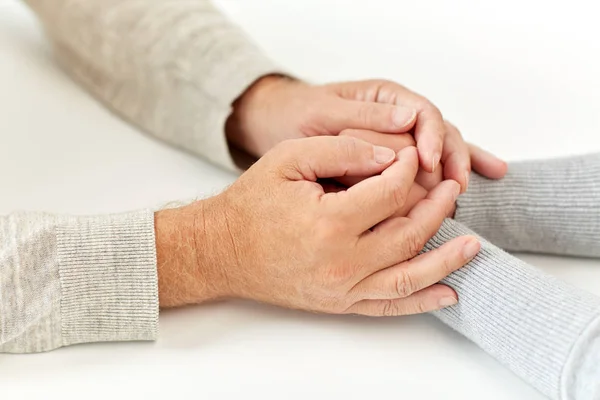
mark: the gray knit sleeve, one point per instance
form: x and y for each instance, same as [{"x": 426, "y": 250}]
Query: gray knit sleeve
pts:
[
  {"x": 546, "y": 206},
  {"x": 544, "y": 330},
  {"x": 172, "y": 68},
  {"x": 67, "y": 280}
]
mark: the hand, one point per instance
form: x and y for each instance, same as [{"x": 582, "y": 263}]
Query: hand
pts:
[
  {"x": 278, "y": 108},
  {"x": 276, "y": 236},
  {"x": 458, "y": 157}
]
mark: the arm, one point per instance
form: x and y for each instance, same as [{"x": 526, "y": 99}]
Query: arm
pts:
[
  {"x": 67, "y": 280},
  {"x": 172, "y": 68},
  {"x": 175, "y": 68},
  {"x": 544, "y": 206}
]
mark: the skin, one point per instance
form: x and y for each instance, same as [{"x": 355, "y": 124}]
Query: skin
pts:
[
  {"x": 378, "y": 111},
  {"x": 278, "y": 236},
  {"x": 320, "y": 222}
]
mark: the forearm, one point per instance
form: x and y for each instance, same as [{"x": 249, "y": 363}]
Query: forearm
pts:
[
  {"x": 548, "y": 206},
  {"x": 172, "y": 68},
  {"x": 544, "y": 330}
]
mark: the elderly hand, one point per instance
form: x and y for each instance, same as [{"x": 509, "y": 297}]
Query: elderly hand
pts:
[
  {"x": 277, "y": 236},
  {"x": 278, "y": 108}
]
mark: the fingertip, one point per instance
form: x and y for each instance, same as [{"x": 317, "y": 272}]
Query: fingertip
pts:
[
  {"x": 425, "y": 159},
  {"x": 447, "y": 302},
  {"x": 460, "y": 178},
  {"x": 453, "y": 186},
  {"x": 435, "y": 161},
  {"x": 487, "y": 164},
  {"x": 502, "y": 168},
  {"x": 383, "y": 155},
  {"x": 445, "y": 296},
  {"x": 471, "y": 247}
]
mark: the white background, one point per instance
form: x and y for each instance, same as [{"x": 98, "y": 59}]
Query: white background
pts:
[{"x": 518, "y": 77}]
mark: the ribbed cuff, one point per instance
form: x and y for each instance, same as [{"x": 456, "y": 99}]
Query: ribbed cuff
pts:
[
  {"x": 581, "y": 377},
  {"x": 546, "y": 206},
  {"x": 523, "y": 317},
  {"x": 108, "y": 276}
]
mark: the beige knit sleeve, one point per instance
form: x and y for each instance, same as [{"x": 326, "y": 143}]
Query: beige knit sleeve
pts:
[
  {"x": 67, "y": 280},
  {"x": 171, "y": 67}
]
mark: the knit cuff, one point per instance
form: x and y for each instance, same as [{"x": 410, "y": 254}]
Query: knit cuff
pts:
[
  {"x": 108, "y": 276},
  {"x": 526, "y": 319},
  {"x": 547, "y": 206},
  {"x": 485, "y": 207},
  {"x": 581, "y": 377}
]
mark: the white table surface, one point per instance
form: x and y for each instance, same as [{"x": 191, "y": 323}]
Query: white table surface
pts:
[{"x": 518, "y": 77}]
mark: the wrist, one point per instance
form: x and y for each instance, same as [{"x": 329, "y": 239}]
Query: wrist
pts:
[
  {"x": 190, "y": 263},
  {"x": 249, "y": 127}
]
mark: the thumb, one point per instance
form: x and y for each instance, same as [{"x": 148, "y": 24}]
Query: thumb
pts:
[
  {"x": 379, "y": 117},
  {"x": 332, "y": 157}
]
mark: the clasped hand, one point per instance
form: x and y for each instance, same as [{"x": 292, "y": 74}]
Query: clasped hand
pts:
[{"x": 278, "y": 236}]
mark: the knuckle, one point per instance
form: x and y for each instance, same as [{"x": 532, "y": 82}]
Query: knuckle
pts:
[
  {"x": 399, "y": 196},
  {"x": 404, "y": 285},
  {"x": 351, "y": 146},
  {"x": 364, "y": 115},
  {"x": 387, "y": 308},
  {"x": 447, "y": 265},
  {"x": 414, "y": 243},
  {"x": 338, "y": 276},
  {"x": 347, "y": 147},
  {"x": 390, "y": 308}
]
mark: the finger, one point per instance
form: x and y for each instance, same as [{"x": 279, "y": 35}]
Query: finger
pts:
[
  {"x": 429, "y": 180},
  {"x": 416, "y": 193},
  {"x": 433, "y": 298},
  {"x": 487, "y": 164},
  {"x": 429, "y": 134},
  {"x": 429, "y": 127},
  {"x": 401, "y": 238},
  {"x": 427, "y": 216},
  {"x": 408, "y": 277},
  {"x": 388, "y": 118},
  {"x": 395, "y": 142},
  {"x": 329, "y": 157},
  {"x": 374, "y": 199},
  {"x": 456, "y": 158}
]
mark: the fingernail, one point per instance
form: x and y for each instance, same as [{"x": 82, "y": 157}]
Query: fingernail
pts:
[
  {"x": 467, "y": 175},
  {"x": 402, "y": 116},
  {"x": 447, "y": 302},
  {"x": 435, "y": 162},
  {"x": 383, "y": 155},
  {"x": 471, "y": 248},
  {"x": 456, "y": 190}
]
